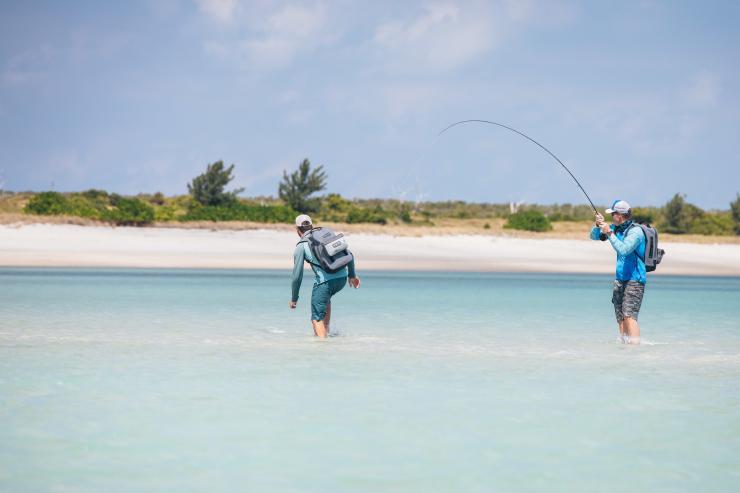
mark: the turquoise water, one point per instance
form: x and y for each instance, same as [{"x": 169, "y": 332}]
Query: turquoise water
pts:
[{"x": 185, "y": 380}]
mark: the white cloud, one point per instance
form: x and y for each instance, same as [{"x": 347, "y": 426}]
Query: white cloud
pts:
[
  {"x": 265, "y": 36},
  {"x": 449, "y": 34},
  {"x": 222, "y": 11},
  {"x": 297, "y": 21},
  {"x": 287, "y": 32},
  {"x": 443, "y": 36}
]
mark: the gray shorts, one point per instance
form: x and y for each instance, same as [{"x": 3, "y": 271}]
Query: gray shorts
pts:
[{"x": 627, "y": 299}]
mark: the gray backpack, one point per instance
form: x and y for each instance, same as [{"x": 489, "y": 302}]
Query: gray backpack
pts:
[
  {"x": 330, "y": 249},
  {"x": 653, "y": 254}
]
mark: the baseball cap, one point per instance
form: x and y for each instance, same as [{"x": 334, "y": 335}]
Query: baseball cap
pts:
[
  {"x": 620, "y": 206},
  {"x": 303, "y": 220}
]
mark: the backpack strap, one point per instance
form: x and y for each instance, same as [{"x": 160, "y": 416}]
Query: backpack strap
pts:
[
  {"x": 643, "y": 235},
  {"x": 307, "y": 240}
]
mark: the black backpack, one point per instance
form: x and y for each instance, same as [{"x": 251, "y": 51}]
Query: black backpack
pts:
[{"x": 330, "y": 249}]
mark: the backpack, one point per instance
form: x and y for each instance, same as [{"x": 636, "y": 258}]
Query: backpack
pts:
[
  {"x": 329, "y": 248},
  {"x": 653, "y": 254}
]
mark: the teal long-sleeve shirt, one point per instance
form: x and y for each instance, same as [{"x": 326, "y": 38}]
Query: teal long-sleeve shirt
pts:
[
  {"x": 302, "y": 254},
  {"x": 630, "y": 249}
]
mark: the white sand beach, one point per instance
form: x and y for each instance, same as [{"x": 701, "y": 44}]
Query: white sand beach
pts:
[{"x": 47, "y": 245}]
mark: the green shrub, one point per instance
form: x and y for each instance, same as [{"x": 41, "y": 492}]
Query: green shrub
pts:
[
  {"x": 157, "y": 199},
  {"x": 94, "y": 194},
  {"x": 679, "y": 214},
  {"x": 334, "y": 208},
  {"x": 47, "y": 204},
  {"x": 81, "y": 206},
  {"x": 93, "y": 204},
  {"x": 56, "y": 204},
  {"x": 240, "y": 211},
  {"x": 559, "y": 216},
  {"x": 363, "y": 215},
  {"x": 643, "y": 215},
  {"x": 565, "y": 212},
  {"x": 130, "y": 212},
  {"x": 165, "y": 213},
  {"x": 114, "y": 198},
  {"x": 529, "y": 220},
  {"x": 712, "y": 224},
  {"x": 673, "y": 220},
  {"x": 735, "y": 210},
  {"x": 404, "y": 214}
]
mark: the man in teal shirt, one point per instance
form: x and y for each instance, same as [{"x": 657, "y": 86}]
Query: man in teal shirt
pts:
[
  {"x": 628, "y": 241},
  {"x": 326, "y": 284}
]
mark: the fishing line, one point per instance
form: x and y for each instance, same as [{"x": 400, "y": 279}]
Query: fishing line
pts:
[{"x": 531, "y": 140}]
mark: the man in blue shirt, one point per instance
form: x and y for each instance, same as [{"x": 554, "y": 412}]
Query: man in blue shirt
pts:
[
  {"x": 628, "y": 240},
  {"x": 326, "y": 284}
]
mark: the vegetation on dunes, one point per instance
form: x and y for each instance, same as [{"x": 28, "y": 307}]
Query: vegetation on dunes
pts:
[{"x": 209, "y": 200}]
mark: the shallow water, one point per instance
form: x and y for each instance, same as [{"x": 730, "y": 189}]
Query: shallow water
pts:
[{"x": 186, "y": 380}]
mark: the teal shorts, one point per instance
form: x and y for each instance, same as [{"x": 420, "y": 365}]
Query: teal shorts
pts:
[{"x": 321, "y": 296}]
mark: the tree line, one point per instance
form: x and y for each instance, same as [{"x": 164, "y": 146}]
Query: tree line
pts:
[{"x": 209, "y": 199}]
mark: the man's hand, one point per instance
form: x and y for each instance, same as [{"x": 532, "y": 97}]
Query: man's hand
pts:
[
  {"x": 354, "y": 282},
  {"x": 292, "y": 305},
  {"x": 599, "y": 219},
  {"x": 605, "y": 229}
]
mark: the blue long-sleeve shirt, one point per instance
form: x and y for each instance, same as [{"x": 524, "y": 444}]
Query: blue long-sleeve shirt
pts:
[
  {"x": 629, "y": 244},
  {"x": 303, "y": 253}
]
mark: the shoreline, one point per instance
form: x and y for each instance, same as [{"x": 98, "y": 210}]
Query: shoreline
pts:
[
  {"x": 46, "y": 245},
  {"x": 373, "y": 270},
  {"x": 568, "y": 230}
]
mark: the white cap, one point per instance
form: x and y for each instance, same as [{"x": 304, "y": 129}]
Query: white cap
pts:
[
  {"x": 303, "y": 220},
  {"x": 619, "y": 206}
]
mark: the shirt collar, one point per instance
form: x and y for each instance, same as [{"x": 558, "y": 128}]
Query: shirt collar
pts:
[{"x": 623, "y": 227}]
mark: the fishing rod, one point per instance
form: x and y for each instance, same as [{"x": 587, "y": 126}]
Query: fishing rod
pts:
[{"x": 531, "y": 140}]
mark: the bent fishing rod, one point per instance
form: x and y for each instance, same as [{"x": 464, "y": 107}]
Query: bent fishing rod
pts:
[{"x": 531, "y": 140}]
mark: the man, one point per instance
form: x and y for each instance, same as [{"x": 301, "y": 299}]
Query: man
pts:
[
  {"x": 629, "y": 286},
  {"x": 326, "y": 284}
]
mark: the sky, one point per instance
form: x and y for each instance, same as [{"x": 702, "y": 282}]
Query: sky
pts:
[{"x": 641, "y": 99}]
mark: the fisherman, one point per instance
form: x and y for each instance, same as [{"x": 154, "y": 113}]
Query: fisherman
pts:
[
  {"x": 629, "y": 286},
  {"x": 326, "y": 284}
]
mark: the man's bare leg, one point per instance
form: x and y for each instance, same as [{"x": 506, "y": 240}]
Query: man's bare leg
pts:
[
  {"x": 632, "y": 330},
  {"x": 327, "y": 318},
  {"x": 319, "y": 329}
]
